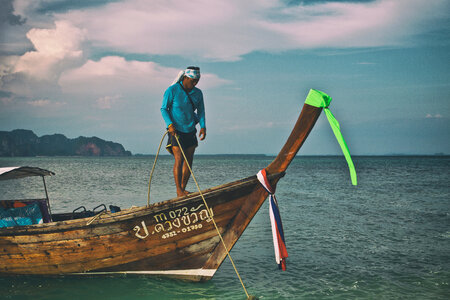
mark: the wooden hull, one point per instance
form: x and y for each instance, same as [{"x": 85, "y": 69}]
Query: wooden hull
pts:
[{"x": 173, "y": 238}]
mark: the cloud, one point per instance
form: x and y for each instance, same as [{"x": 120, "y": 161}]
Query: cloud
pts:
[
  {"x": 54, "y": 50},
  {"x": 39, "y": 103},
  {"x": 227, "y": 30},
  {"x": 25, "y": 7},
  {"x": 7, "y": 14},
  {"x": 345, "y": 24},
  {"x": 107, "y": 102},
  {"x": 36, "y": 72},
  {"x": 220, "y": 30},
  {"x": 436, "y": 116},
  {"x": 5, "y": 100},
  {"x": 115, "y": 74},
  {"x": 46, "y": 103},
  {"x": 247, "y": 125},
  {"x": 365, "y": 63},
  {"x": 57, "y": 65},
  {"x": 7, "y": 64},
  {"x": 198, "y": 28}
]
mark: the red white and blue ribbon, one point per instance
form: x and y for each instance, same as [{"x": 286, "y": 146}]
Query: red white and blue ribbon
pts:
[{"x": 279, "y": 243}]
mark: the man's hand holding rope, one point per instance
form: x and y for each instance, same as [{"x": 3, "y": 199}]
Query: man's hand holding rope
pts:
[
  {"x": 172, "y": 130},
  {"x": 202, "y": 134}
]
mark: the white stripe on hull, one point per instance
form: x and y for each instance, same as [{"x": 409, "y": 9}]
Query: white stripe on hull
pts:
[{"x": 188, "y": 272}]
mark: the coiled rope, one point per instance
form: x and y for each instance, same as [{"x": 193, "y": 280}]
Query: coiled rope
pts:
[{"x": 206, "y": 205}]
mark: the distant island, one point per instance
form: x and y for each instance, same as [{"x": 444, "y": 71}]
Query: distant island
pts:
[{"x": 22, "y": 142}]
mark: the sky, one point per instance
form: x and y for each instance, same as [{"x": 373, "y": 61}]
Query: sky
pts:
[{"x": 100, "y": 68}]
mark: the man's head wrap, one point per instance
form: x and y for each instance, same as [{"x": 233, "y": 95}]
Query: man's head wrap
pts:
[{"x": 191, "y": 72}]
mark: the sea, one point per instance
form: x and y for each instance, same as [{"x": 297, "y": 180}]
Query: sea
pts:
[{"x": 386, "y": 238}]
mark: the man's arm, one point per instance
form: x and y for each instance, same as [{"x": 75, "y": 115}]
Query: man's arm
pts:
[
  {"x": 166, "y": 106},
  {"x": 202, "y": 118}
]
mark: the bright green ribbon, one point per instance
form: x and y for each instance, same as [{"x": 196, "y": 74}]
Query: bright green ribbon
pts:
[{"x": 320, "y": 99}]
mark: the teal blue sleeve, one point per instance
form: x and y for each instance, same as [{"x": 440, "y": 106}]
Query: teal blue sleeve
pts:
[
  {"x": 201, "y": 113},
  {"x": 166, "y": 107}
]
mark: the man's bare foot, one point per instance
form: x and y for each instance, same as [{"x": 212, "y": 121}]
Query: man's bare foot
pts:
[{"x": 182, "y": 193}]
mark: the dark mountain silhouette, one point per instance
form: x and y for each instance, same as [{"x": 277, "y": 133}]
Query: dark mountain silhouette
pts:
[{"x": 21, "y": 142}]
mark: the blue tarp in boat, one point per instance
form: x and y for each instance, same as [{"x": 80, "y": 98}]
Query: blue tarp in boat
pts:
[{"x": 20, "y": 216}]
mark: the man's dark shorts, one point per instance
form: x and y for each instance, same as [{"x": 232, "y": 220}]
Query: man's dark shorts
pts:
[{"x": 187, "y": 140}]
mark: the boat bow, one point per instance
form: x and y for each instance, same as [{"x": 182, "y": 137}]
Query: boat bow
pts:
[{"x": 175, "y": 237}]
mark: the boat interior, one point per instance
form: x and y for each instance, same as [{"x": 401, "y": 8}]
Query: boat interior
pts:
[
  {"x": 12, "y": 212},
  {"x": 36, "y": 211}
]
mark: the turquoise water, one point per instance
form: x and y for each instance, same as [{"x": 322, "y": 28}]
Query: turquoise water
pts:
[{"x": 387, "y": 238}]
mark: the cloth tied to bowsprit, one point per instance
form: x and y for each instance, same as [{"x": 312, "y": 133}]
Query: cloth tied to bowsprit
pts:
[{"x": 279, "y": 243}]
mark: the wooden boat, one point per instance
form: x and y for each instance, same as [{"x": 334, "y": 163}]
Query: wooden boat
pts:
[{"x": 173, "y": 238}]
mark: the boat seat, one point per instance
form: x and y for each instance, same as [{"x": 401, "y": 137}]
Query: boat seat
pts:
[{"x": 81, "y": 212}]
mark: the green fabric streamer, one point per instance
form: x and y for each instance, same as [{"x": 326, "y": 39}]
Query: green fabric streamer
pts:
[{"x": 320, "y": 99}]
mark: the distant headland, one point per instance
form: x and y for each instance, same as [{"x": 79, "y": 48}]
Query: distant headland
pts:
[{"x": 22, "y": 142}]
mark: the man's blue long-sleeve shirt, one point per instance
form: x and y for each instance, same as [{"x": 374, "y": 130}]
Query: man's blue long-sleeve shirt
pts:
[{"x": 176, "y": 108}]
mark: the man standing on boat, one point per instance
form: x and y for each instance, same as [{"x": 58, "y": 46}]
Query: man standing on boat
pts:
[{"x": 180, "y": 102}]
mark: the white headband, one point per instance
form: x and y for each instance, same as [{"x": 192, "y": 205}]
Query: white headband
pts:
[
  {"x": 195, "y": 74},
  {"x": 191, "y": 73}
]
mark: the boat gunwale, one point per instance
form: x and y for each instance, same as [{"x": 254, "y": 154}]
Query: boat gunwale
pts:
[{"x": 129, "y": 213}]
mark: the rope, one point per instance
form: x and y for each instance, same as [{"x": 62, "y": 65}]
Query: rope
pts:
[
  {"x": 214, "y": 222},
  {"x": 206, "y": 205},
  {"x": 153, "y": 168},
  {"x": 95, "y": 217}
]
